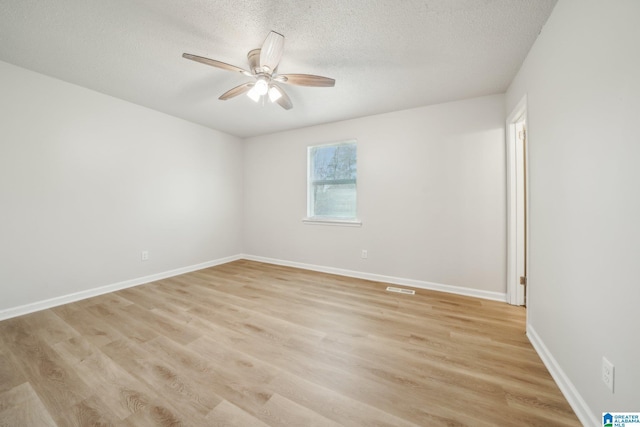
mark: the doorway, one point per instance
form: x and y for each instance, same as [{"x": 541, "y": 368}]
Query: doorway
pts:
[{"x": 517, "y": 205}]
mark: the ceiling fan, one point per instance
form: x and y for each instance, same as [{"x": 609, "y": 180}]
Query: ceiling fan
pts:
[{"x": 263, "y": 66}]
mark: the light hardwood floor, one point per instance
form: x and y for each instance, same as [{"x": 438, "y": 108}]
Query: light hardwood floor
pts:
[{"x": 251, "y": 344}]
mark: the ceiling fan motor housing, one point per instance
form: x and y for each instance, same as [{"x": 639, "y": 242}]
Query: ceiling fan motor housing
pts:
[{"x": 254, "y": 60}]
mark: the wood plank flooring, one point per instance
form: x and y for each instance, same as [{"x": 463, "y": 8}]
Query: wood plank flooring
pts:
[{"x": 252, "y": 344}]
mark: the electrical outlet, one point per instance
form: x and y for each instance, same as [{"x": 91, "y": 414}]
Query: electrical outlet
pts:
[
  {"x": 144, "y": 255},
  {"x": 608, "y": 373},
  {"x": 365, "y": 254}
]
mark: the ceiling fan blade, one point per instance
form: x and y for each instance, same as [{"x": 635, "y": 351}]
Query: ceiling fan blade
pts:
[
  {"x": 214, "y": 63},
  {"x": 284, "y": 101},
  {"x": 271, "y": 51},
  {"x": 238, "y": 90},
  {"x": 305, "y": 80}
]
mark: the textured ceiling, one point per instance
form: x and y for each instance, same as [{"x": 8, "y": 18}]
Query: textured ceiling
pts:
[{"x": 385, "y": 55}]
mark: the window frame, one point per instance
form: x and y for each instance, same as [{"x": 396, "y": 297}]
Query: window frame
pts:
[{"x": 329, "y": 220}]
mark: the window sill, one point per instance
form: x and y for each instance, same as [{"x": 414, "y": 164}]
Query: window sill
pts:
[{"x": 338, "y": 222}]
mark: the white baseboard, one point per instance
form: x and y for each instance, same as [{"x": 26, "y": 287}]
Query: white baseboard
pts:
[
  {"x": 579, "y": 406},
  {"x": 77, "y": 296},
  {"x": 495, "y": 296}
]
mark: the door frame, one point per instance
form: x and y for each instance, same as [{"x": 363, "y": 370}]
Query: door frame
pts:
[{"x": 515, "y": 292}]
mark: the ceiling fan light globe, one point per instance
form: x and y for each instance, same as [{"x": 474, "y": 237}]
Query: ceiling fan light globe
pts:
[
  {"x": 253, "y": 94},
  {"x": 261, "y": 87},
  {"x": 274, "y": 94}
]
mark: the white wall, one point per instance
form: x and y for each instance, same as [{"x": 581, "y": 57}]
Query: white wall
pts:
[
  {"x": 88, "y": 181},
  {"x": 582, "y": 80},
  {"x": 431, "y": 196}
]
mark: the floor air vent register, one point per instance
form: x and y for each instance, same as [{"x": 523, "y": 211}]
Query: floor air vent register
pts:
[{"x": 400, "y": 290}]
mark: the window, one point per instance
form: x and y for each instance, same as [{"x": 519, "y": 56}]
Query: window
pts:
[{"x": 331, "y": 192}]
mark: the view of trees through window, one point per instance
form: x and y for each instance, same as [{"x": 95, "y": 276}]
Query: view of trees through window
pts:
[{"x": 332, "y": 181}]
